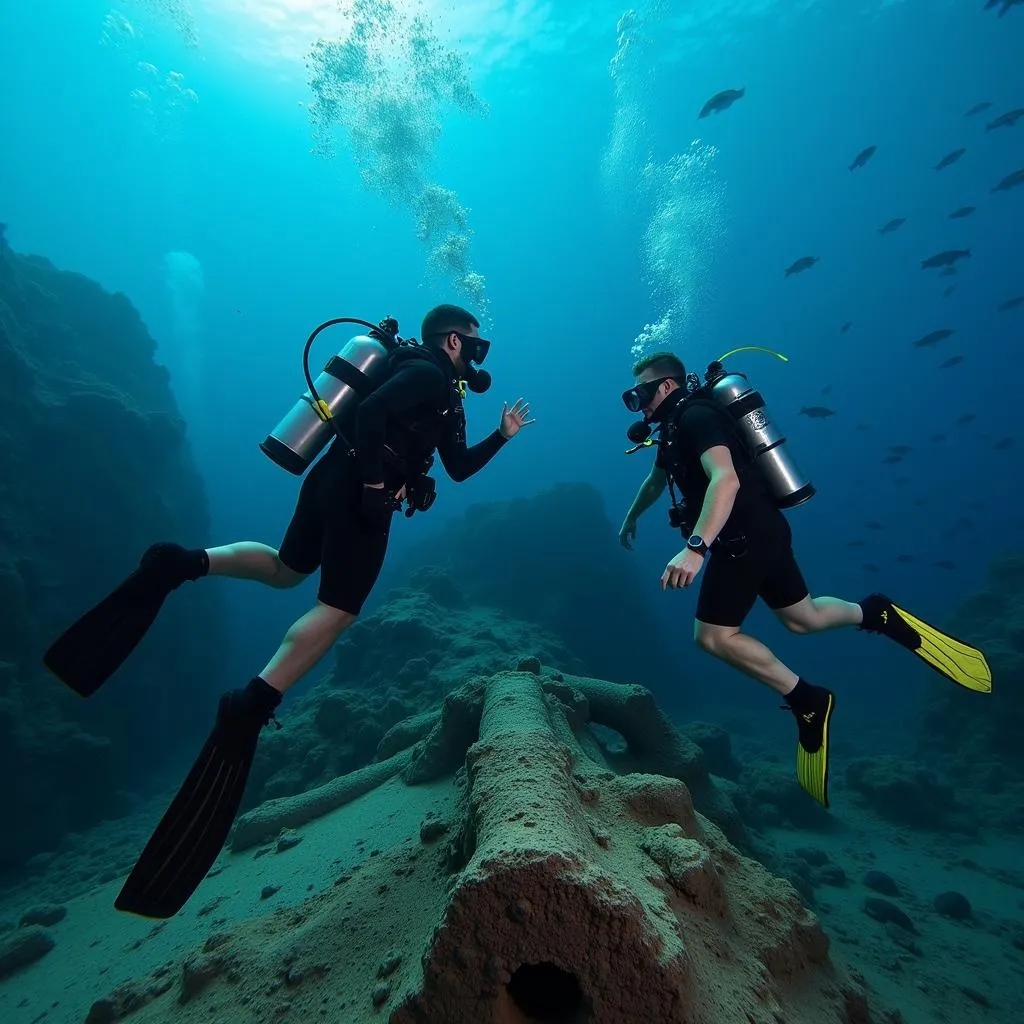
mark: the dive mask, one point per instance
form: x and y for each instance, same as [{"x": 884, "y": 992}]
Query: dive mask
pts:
[
  {"x": 474, "y": 350},
  {"x": 641, "y": 394}
]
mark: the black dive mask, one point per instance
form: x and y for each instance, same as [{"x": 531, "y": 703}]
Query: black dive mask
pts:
[
  {"x": 641, "y": 394},
  {"x": 474, "y": 350}
]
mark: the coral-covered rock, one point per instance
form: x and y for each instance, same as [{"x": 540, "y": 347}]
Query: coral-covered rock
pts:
[{"x": 567, "y": 892}]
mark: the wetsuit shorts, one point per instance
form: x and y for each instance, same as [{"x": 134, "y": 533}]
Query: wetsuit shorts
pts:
[
  {"x": 761, "y": 565},
  {"x": 326, "y": 532}
]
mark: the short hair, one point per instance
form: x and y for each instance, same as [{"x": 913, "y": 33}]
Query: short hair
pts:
[
  {"x": 664, "y": 364},
  {"x": 444, "y": 319}
]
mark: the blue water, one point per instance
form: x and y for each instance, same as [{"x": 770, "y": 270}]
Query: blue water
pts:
[{"x": 565, "y": 226}]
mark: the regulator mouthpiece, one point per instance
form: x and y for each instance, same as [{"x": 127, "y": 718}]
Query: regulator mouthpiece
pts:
[{"x": 478, "y": 381}]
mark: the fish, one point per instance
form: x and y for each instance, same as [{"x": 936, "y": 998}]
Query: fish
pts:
[
  {"x": 949, "y": 291},
  {"x": 951, "y": 361},
  {"x": 1009, "y": 304},
  {"x": 721, "y": 101},
  {"x": 870, "y": 568},
  {"x": 949, "y": 158},
  {"x": 934, "y": 338},
  {"x": 938, "y": 437},
  {"x": 1007, "y": 4},
  {"x": 947, "y": 258},
  {"x": 863, "y": 157},
  {"x": 947, "y": 272},
  {"x": 1007, "y": 120},
  {"x": 964, "y": 211},
  {"x": 891, "y": 460},
  {"x": 891, "y": 226},
  {"x": 826, "y": 389},
  {"x": 905, "y": 559},
  {"x": 872, "y": 525},
  {"x": 900, "y": 449},
  {"x": 816, "y": 412},
  {"x": 800, "y": 265},
  {"x": 845, "y": 327},
  {"x": 861, "y": 426},
  {"x": 945, "y": 564},
  {"x": 1003, "y": 443},
  {"x": 968, "y": 417},
  {"x": 855, "y": 544},
  {"x": 978, "y": 108},
  {"x": 1013, "y": 180}
]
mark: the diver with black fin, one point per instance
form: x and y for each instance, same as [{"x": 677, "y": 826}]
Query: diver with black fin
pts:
[
  {"x": 382, "y": 407},
  {"x": 730, "y": 477}
]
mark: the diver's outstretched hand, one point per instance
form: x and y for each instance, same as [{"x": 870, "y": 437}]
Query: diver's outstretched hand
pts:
[
  {"x": 514, "y": 419},
  {"x": 627, "y": 533}
]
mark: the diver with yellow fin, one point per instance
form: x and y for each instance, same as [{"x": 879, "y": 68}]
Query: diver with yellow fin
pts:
[{"x": 730, "y": 477}]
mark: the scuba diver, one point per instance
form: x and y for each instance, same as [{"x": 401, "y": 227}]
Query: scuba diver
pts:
[
  {"x": 400, "y": 401},
  {"x": 720, "y": 450}
]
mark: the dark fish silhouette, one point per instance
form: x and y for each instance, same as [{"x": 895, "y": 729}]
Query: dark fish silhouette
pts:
[
  {"x": 863, "y": 157},
  {"x": 947, "y": 271},
  {"x": 978, "y": 108},
  {"x": 934, "y": 338},
  {"x": 945, "y": 259},
  {"x": 855, "y": 544},
  {"x": 862, "y": 426},
  {"x": 891, "y": 460},
  {"x": 888, "y": 229},
  {"x": 949, "y": 291},
  {"x": 945, "y": 565},
  {"x": 1007, "y": 120},
  {"x": 968, "y": 417},
  {"x": 900, "y": 449},
  {"x": 1003, "y": 443},
  {"x": 870, "y": 568},
  {"x": 816, "y": 412},
  {"x": 845, "y": 327},
  {"x": 1013, "y": 303},
  {"x": 872, "y": 525},
  {"x": 721, "y": 101},
  {"x": 951, "y": 361},
  {"x": 964, "y": 211},
  {"x": 826, "y": 389},
  {"x": 1013, "y": 180},
  {"x": 905, "y": 559},
  {"x": 949, "y": 158},
  {"x": 802, "y": 264}
]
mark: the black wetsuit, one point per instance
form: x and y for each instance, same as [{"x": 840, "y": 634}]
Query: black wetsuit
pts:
[
  {"x": 416, "y": 411},
  {"x": 753, "y": 554}
]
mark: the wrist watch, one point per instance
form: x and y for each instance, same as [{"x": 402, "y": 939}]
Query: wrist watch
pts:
[{"x": 697, "y": 544}]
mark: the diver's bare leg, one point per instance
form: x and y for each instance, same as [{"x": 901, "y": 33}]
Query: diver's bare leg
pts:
[
  {"x": 305, "y": 643},
  {"x": 250, "y": 560}
]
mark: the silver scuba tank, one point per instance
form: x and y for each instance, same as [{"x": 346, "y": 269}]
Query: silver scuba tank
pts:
[
  {"x": 350, "y": 375},
  {"x": 746, "y": 405}
]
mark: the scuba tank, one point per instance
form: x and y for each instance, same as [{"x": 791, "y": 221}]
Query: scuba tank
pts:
[
  {"x": 328, "y": 406},
  {"x": 734, "y": 393}
]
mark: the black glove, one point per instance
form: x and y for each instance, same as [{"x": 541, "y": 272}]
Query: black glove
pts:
[{"x": 377, "y": 507}]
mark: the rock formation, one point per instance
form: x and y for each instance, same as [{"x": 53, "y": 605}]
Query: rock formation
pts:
[{"x": 94, "y": 466}]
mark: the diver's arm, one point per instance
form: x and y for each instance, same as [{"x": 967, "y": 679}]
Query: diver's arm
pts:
[
  {"x": 723, "y": 486},
  {"x": 412, "y": 384},
  {"x": 650, "y": 491},
  {"x": 460, "y": 462}
]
